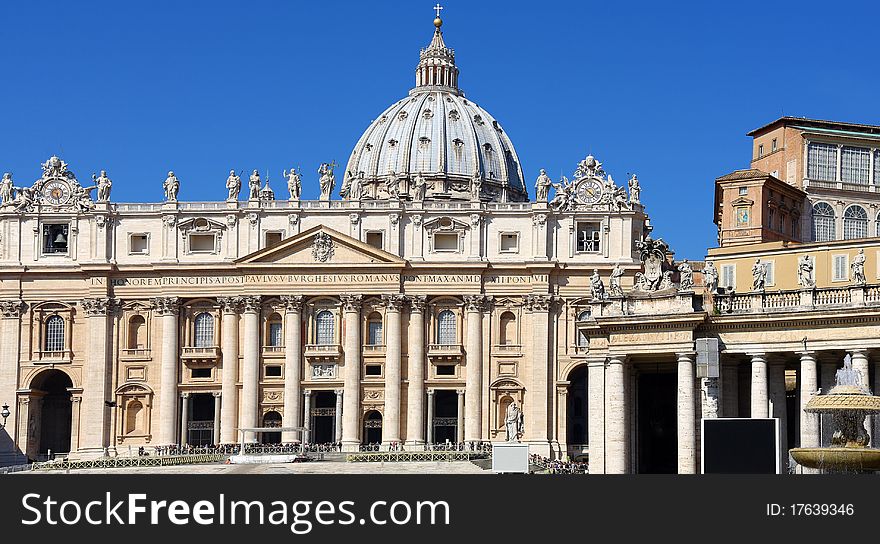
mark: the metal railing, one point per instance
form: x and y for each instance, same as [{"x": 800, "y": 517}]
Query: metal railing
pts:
[
  {"x": 138, "y": 461},
  {"x": 414, "y": 456}
]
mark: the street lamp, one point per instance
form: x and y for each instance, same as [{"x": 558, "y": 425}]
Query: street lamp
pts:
[{"x": 4, "y": 413}]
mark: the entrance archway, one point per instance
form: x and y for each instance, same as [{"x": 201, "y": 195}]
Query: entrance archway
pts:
[
  {"x": 372, "y": 427},
  {"x": 272, "y": 419},
  {"x": 54, "y": 413},
  {"x": 445, "y": 416},
  {"x": 576, "y": 411},
  {"x": 323, "y": 418},
  {"x": 657, "y": 422}
]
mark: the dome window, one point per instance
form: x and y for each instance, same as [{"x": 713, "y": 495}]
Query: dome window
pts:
[
  {"x": 424, "y": 141},
  {"x": 427, "y": 114},
  {"x": 368, "y": 147},
  {"x": 453, "y": 115},
  {"x": 402, "y": 115},
  {"x": 383, "y": 118},
  {"x": 478, "y": 120},
  {"x": 488, "y": 148},
  {"x": 392, "y": 142}
]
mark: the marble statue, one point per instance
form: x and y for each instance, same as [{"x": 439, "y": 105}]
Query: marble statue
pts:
[
  {"x": 710, "y": 277},
  {"x": 25, "y": 198},
  {"x": 346, "y": 184},
  {"x": 393, "y": 185},
  {"x": 513, "y": 422},
  {"x": 254, "y": 186},
  {"x": 233, "y": 185},
  {"x": 171, "y": 187},
  {"x": 542, "y": 187},
  {"x": 7, "y": 190},
  {"x": 597, "y": 285},
  {"x": 686, "y": 276},
  {"x": 665, "y": 280},
  {"x": 294, "y": 183},
  {"x": 619, "y": 198},
  {"x": 616, "y": 273},
  {"x": 759, "y": 275},
  {"x": 103, "y": 184},
  {"x": 564, "y": 197},
  {"x": 805, "y": 276},
  {"x": 419, "y": 187},
  {"x": 476, "y": 186},
  {"x": 858, "y": 268},
  {"x": 327, "y": 181},
  {"x": 634, "y": 190},
  {"x": 355, "y": 188},
  {"x": 81, "y": 198}
]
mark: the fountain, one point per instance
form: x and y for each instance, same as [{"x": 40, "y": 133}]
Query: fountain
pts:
[{"x": 849, "y": 403}]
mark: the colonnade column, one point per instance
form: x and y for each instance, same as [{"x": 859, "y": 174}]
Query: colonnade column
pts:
[
  {"x": 95, "y": 432},
  {"x": 415, "y": 393},
  {"x": 10, "y": 346},
  {"x": 337, "y": 420},
  {"x": 596, "y": 414},
  {"x": 430, "y": 429},
  {"x": 218, "y": 406},
  {"x": 351, "y": 406},
  {"x": 776, "y": 378},
  {"x": 687, "y": 418},
  {"x": 809, "y": 386},
  {"x": 391, "y": 423},
  {"x": 615, "y": 416},
  {"x": 759, "y": 406},
  {"x": 538, "y": 393},
  {"x": 292, "y": 365},
  {"x": 250, "y": 370},
  {"x": 473, "y": 412},
  {"x": 459, "y": 424},
  {"x": 184, "y": 418},
  {"x": 861, "y": 365},
  {"x": 229, "y": 307},
  {"x": 167, "y": 308},
  {"x": 307, "y": 410}
]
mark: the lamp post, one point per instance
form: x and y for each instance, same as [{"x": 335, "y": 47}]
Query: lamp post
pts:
[{"x": 4, "y": 413}]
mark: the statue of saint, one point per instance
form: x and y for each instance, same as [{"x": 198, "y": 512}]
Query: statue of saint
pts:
[
  {"x": 476, "y": 186},
  {"x": 513, "y": 422},
  {"x": 616, "y": 274},
  {"x": 327, "y": 180},
  {"x": 7, "y": 190},
  {"x": 710, "y": 277},
  {"x": 103, "y": 184},
  {"x": 393, "y": 185},
  {"x": 254, "y": 186},
  {"x": 634, "y": 190},
  {"x": 294, "y": 183},
  {"x": 759, "y": 275},
  {"x": 171, "y": 186},
  {"x": 355, "y": 189},
  {"x": 686, "y": 276},
  {"x": 858, "y": 268},
  {"x": 597, "y": 285},
  {"x": 542, "y": 187},
  {"x": 233, "y": 185},
  {"x": 805, "y": 272},
  {"x": 419, "y": 188}
]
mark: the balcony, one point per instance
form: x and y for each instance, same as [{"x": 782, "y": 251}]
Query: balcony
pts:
[
  {"x": 445, "y": 352},
  {"x": 374, "y": 349},
  {"x": 135, "y": 354},
  {"x": 273, "y": 351},
  {"x": 323, "y": 351},
  {"x": 54, "y": 357},
  {"x": 840, "y": 185},
  {"x": 203, "y": 355},
  {"x": 855, "y": 296},
  {"x": 507, "y": 350}
]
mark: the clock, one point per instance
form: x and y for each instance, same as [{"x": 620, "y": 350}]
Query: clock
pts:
[
  {"x": 56, "y": 192},
  {"x": 589, "y": 191}
]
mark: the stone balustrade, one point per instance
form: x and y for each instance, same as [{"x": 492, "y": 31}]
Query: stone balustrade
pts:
[{"x": 797, "y": 300}]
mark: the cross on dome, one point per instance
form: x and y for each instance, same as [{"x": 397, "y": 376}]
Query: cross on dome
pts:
[{"x": 438, "y": 8}]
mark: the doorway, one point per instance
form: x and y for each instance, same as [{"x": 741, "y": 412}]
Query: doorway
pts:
[{"x": 657, "y": 423}]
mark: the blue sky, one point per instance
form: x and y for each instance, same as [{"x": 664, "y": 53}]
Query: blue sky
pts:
[{"x": 664, "y": 89}]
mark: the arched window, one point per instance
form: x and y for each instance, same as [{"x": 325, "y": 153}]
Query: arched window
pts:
[
  {"x": 855, "y": 223},
  {"x": 584, "y": 316},
  {"x": 446, "y": 327},
  {"x": 137, "y": 332},
  {"x": 55, "y": 333},
  {"x": 823, "y": 222},
  {"x": 204, "y": 325},
  {"x": 508, "y": 328},
  {"x": 274, "y": 331},
  {"x": 374, "y": 329},
  {"x": 325, "y": 327}
]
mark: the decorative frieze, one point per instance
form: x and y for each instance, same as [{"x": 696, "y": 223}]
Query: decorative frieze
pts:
[
  {"x": 537, "y": 303},
  {"x": 166, "y": 305}
]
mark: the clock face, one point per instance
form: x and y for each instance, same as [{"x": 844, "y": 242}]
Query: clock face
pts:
[
  {"x": 56, "y": 192},
  {"x": 589, "y": 191}
]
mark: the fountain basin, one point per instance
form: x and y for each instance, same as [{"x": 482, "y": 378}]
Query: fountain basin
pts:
[
  {"x": 844, "y": 398},
  {"x": 855, "y": 459}
]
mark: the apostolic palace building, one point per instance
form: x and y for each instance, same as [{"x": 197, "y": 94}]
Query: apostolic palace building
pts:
[{"x": 432, "y": 287}]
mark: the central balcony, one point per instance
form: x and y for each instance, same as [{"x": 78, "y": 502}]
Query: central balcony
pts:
[
  {"x": 202, "y": 355},
  {"x": 445, "y": 352},
  {"x": 323, "y": 352}
]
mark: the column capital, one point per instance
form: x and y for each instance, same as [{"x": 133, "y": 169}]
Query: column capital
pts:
[
  {"x": 99, "y": 306},
  {"x": 292, "y": 303},
  {"x": 617, "y": 359},
  {"x": 229, "y": 305},
  {"x": 12, "y": 309},
  {"x": 685, "y": 355},
  {"x": 806, "y": 354},
  {"x": 339, "y": 392},
  {"x": 475, "y": 303},
  {"x": 596, "y": 361},
  {"x": 184, "y": 394},
  {"x": 394, "y": 302},
  {"x": 351, "y": 303},
  {"x": 430, "y": 392},
  {"x": 307, "y": 392},
  {"x": 758, "y": 356},
  {"x": 251, "y": 304},
  {"x": 460, "y": 392},
  {"x": 166, "y": 305},
  {"x": 537, "y": 303},
  {"x": 417, "y": 303},
  {"x": 217, "y": 394}
]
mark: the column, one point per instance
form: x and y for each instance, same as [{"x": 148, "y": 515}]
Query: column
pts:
[
  {"x": 474, "y": 373},
  {"x": 615, "y": 416},
  {"x": 292, "y": 366},
  {"x": 250, "y": 370},
  {"x": 687, "y": 419},
  {"x": 459, "y": 424},
  {"x": 596, "y": 414},
  {"x": 538, "y": 394},
  {"x": 777, "y": 396},
  {"x": 415, "y": 393},
  {"x": 337, "y": 419},
  {"x": 10, "y": 345},
  {"x": 307, "y": 410},
  {"x": 430, "y": 430},
  {"x": 809, "y": 386},
  {"x": 166, "y": 309},
  {"x": 218, "y": 405},
  {"x": 95, "y": 432},
  {"x": 391, "y": 418},
  {"x": 184, "y": 418},
  {"x": 759, "y": 407},
  {"x": 229, "y": 387},
  {"x": 861, "y": 365},
  {"x": 351, "y": 406}
]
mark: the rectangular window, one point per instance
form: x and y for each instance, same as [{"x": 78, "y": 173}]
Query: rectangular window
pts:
[
  {"x": 201, "y": 373},
  {"x": 588, "y": 237},
  {"x": 445, "y": 241},
  {"x": 822, "y": 162},
  {"x": 373, "y": 370},
  {"x": 760, "y": 150},
  {"x": 375, "y": 239},
  {"x": 274, "y": 238},
  {"x": 446, "y": 370},
  {"x": 202, "y": 243},
  {"x": 273, "y": 371},
  {"x": 855, "y": 165},
  {"x": 771, "y": 215},
  {"x": 509, "y": 242},
  {"x": 138, "y": 244},
  {"x": 275, "y": 334},
  {"x": 773, "y": 146},
  {"x": 55, "y": 239},
  {"x": 374, "y": 333},
  {"x": 743, "y": 191},
  {"x": 728, "y": 276},
  {"x": 841, "y": 268},
  {"x": 877, "y": 167}
]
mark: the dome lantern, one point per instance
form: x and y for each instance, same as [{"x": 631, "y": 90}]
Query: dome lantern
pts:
[{"x": 436, "y": 67}]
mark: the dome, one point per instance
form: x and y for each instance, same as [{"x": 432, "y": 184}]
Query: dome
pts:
[{"x": 438, "y": 135}]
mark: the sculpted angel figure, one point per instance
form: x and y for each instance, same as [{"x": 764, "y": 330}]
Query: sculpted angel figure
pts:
[
  {"x": 564, "y": 195},
  {"x": 233, "y": 185},
  {"x": 7, "y": 190},
  {"x": 294, "y": 183},
  {"x": 171, "y": 185},
  {"x": 254, "y": 186},
  {"x": 542, "y": 186},
  {"x": 25, "y": 198}
]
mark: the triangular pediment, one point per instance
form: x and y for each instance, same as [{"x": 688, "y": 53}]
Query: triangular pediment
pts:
[{"x": 321, "y": 246}]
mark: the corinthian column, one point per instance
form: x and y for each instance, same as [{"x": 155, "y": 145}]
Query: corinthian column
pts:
[
  {"x": 250, "y": 370},
  {"x": 474, "y": 368},
  {"x": 760, "y": 408},
  {"x": 10, "y": 345},
  {"x": 351, "y": 406},
  {"x": 391, "y": 423},
  {"x": 292, "y": 365},
  {"x": 230, "y": 307},
  {"x": 166, "y": 309},
  {"x": 596, "y": 413},
  {"x": 415, "y": 393},
  {"x": 687, "y": 444},
  {"x": 537, "y": 391},
  {"x": 615, "y": 416},
  {"x": 96, "y": 379}
]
